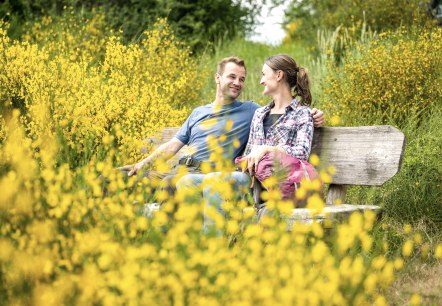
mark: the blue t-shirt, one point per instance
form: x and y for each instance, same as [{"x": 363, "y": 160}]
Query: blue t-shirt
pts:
[{"x": 232, "y": 120}]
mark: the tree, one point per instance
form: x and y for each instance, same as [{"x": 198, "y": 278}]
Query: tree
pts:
[{"x": 195, "y": 21}]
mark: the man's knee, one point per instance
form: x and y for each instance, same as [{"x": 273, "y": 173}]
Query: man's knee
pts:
[
  {"x": 241, "y": 178},
  {"x": 189, "y": 181}
]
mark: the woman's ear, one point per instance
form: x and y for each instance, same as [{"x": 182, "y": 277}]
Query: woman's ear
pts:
[{"x": 279, "y": 75}]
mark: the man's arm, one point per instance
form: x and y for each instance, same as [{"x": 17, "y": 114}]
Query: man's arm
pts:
[
  {"x": 166, "y": 151},
  {"x": 318, "y": 117}
]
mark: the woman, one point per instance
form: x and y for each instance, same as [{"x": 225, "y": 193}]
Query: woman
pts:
[{"x": 281, "y": 133}]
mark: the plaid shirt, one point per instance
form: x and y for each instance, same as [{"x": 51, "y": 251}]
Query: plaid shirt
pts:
[{"x": 293, "y": 131}]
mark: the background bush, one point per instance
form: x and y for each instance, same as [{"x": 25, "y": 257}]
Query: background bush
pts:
[
  {"x": 62, "y": 89},
  {"x": 304, "y": 18},
  {"x": 392, "y": 79},
  {"x": 196, "y": 22}
]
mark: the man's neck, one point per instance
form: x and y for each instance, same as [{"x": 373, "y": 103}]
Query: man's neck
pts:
[{"x": 221, "y": 102}]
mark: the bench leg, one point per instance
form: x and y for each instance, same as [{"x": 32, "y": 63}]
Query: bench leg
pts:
[{"x": 336, "y": 192}]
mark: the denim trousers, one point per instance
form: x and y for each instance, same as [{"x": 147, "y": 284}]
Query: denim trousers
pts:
[{"x": 206, "y": 184}]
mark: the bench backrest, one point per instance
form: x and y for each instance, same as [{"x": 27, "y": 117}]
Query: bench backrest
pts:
[{"x": 364, "y": 155}]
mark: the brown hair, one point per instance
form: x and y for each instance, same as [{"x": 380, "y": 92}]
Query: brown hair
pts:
[
  {"x": 230, "y": 59},
  {"x": 295, "y": 76}
]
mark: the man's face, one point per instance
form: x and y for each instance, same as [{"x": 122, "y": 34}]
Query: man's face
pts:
[{"x": 231, "y": 81}]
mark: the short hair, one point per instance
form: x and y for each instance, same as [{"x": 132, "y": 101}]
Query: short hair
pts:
[{"x": 230, "y": 59}]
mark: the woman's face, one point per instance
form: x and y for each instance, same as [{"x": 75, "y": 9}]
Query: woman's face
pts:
[{"x": 269, "y": 80}]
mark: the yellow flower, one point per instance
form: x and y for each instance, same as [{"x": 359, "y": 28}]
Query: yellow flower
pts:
[
  {"x": 232, "y": 227},
  {"x": 407, "y": 248},
  {"x": 438, "y": 251},
  {"x": 314, "y": 160},
  {"x": 398, "y": 263},
  {"x": 415, "y": 299},
  {"x": 408, "y": 229},
  {"x": 335, "y": 120}
]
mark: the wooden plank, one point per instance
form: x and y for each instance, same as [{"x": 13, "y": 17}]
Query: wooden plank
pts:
[
  {"x": 165, "y": 135},
  {"x": 332, "y": 213},
  {"x": 364, "y": 155},
  {"x": 299, "y": 215}
]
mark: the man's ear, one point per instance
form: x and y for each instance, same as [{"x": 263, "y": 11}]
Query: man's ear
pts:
[{"x": 217, "y": 78}]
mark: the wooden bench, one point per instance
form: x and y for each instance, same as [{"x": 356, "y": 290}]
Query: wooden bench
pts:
[{"x": 363, "y": 156}]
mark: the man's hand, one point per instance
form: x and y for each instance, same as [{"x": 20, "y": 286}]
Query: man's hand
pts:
[
  {"x": 132, "y": 169},
  {"x": 318, "y": 117}
]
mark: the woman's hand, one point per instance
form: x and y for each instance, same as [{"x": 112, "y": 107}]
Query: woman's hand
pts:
[{"x": 254, "y": 157}]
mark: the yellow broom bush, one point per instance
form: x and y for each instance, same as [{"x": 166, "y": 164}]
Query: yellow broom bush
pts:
[
  {"x": 61, "y": 242},
  {"x": 136, "y": 90},
  {"x": 390, "y": 79}
]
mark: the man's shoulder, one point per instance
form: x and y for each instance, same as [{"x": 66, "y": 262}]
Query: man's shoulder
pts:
[
  {"x": 202, "y": 109},
  {"x": 250, "y": 105}
]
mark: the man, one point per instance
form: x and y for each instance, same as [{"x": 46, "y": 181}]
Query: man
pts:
[{"x": 224, "y": 116}]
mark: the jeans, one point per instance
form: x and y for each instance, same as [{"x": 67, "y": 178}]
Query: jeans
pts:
[
  {"x": 158, "y": 180},
  {"x": 212, "y": 198}
]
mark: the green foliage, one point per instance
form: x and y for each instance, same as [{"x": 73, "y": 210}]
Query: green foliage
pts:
[
  {"x": 304, "y": 17},
  {"x": 196, "y": 22},
  {"x": 199, "y": 22}
]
